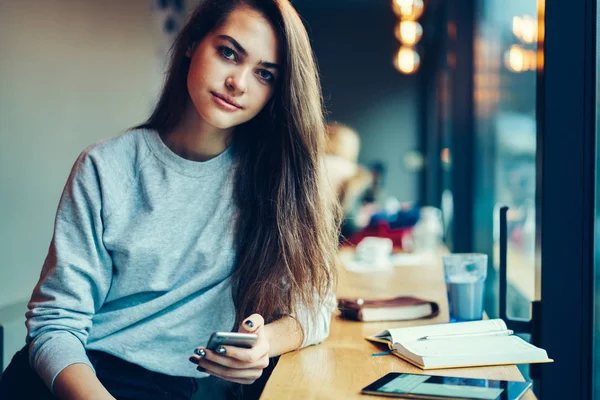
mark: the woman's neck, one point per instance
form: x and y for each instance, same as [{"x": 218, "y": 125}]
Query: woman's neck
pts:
[{"x": 194, "y": 139}]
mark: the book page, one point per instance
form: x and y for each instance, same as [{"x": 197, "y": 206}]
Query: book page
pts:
[
  {"x": 404, "y": 335},
  {"x": 473, "y": 346}
]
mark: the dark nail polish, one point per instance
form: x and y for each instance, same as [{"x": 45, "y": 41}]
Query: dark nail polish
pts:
[
  {"x": 249, "y": 324},
  {"x": 194, "y": 360},
  {"x": 201, "y": 369},
  {"x": 200, "y": 352},
  {"x": 220, "y": 350}
]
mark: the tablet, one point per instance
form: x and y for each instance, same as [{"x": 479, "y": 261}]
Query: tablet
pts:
[{"x": 409, "y": 386}]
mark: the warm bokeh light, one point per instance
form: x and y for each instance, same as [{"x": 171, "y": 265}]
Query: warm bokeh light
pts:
[
  {"x": 451, "y": 30},
  {"x": 541, "y": 33},
  {"x": 525, "y": 29},
  {"x": 531, "y": 60},
  {"x": 445, "y": 155},
  {"x": 486, "y": 78},
  {"x": 408, "y": 9},
  {"x": 407, "y": 60},
  {"x": 515, "y": 59},
  {"x": 518, "y": 59},
  {"x": 409, "y": 32},
  {"x": 451, "y": 59}
]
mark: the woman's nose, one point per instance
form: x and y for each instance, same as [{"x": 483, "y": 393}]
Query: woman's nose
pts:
[{"x": 238, "y": 82}]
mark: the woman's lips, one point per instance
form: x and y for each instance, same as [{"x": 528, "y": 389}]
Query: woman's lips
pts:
[{"x": 223, "y": 103}]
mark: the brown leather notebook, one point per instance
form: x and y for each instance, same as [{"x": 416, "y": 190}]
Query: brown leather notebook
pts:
[{"x": 395, "y": 309}]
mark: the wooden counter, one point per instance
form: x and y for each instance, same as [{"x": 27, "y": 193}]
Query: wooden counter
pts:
[{"x": 342, "y": 365}]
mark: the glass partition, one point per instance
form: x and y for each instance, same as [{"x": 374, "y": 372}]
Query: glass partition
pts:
[{"x": 505, "y": 146}]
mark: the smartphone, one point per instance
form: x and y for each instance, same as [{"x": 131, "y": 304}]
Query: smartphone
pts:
[{"x": 245, "y": 340}]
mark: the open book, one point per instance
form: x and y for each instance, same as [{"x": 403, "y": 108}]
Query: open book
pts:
[{"x": 463, "y": 344}]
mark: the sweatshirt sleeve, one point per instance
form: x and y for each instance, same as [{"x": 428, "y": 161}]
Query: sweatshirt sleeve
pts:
[
  {"x": 315, "y": 330},
  {"x": 75, "y": 277}
]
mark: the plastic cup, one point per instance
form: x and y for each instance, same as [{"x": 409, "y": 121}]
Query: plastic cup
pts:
[{"x": 465, "y": 282}]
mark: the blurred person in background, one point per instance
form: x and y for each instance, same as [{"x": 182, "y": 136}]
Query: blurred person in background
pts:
[
  {"x": 350, "y": 180},
  {"x": 375, "y": 193}
]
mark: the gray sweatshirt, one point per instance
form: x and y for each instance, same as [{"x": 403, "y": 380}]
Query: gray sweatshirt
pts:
[{"x": 140, "y": 261}]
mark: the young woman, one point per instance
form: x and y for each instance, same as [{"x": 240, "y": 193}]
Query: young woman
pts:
[{"x": 211, "y": 216}]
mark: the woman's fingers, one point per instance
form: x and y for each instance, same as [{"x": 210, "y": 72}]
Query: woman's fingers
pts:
[
  {"x": 237, "y": 364},
  {"x": 253, "y": 324},
  {"x": 237, "y": 361},
  {"x": 234, "y": 380},
  {"x": 247, "y": 356},
  {"x": 237, "y": 357},
  {"x": 229, "y": 373}
]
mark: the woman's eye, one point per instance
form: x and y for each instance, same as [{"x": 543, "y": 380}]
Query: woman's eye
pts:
[
  {"x": 266, "y": 75},
  {"x": 227, "y": 53}
]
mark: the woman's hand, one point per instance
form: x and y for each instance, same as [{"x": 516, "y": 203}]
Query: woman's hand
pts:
[{"x": 237, "y": 364}]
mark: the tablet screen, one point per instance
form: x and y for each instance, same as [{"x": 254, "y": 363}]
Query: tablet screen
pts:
[{"x": 432, "y": 387}]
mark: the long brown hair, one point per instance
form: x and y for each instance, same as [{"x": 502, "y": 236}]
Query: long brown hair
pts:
[{"x": 288, "y": 219}]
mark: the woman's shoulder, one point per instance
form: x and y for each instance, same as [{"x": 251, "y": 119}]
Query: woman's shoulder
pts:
[
  {"x": 125, "y": 151},
  {"x": 123, "y": 146},
  {"x": 109, "y": 167},
  {"x": 112, "y": 163}
]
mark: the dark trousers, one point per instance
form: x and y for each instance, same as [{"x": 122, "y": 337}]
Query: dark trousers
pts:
[{"x": 127, "y": 381}]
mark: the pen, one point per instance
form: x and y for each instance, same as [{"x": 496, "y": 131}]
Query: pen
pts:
[{"x": 506, "y": 332}]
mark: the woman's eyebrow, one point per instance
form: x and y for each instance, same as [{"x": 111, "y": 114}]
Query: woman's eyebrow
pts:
[
  {"x": 235, "y": 44},
  {"x": 239, "y": 48},
  {"x": 270, "y": 65}
]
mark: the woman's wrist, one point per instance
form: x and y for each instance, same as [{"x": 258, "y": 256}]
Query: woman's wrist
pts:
[{"x": 284, "y": 335}]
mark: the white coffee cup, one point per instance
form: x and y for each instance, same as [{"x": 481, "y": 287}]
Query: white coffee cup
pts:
[{"x": 374, "y": 251}]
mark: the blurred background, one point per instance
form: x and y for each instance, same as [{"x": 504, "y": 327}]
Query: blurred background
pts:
[{"x": 453, "y": 108}]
